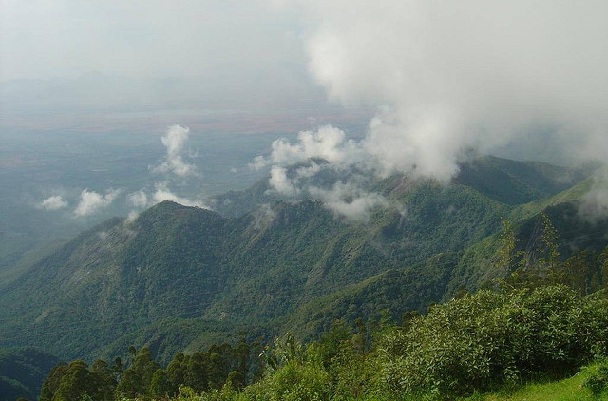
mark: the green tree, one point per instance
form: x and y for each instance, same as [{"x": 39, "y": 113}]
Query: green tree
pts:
[
  {"x": 106, "y": 379},
  {"x": 160, "y": 385},
  {"x": 135, "y": 381},
  {"x": 196, "y": 371},
  {"x": 176, "y": 371},
  {"x": 505, "y": 259},
  {"x": 52, "y": 382},
  {"x": 298, "y": 374},
  {"x": 77, "y": 382}
]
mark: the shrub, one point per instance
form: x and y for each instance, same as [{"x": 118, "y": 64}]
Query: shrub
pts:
[{"x": 492, "y": 339}]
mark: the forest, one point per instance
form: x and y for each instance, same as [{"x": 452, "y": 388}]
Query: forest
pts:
[{"x": 542, "y": 323}]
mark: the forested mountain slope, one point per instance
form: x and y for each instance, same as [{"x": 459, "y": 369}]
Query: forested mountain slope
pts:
[
  {"x": 22, "y": 371},
  {"x": 182, "y": 277}
]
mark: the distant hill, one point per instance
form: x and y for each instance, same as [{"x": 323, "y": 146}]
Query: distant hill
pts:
[
  {"x": 22, "y": 372},
  {"x": 514, "y": 183},
  {"x": 182, "y": 277}
]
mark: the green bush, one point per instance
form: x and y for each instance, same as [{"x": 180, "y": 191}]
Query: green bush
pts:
[
  {"x": 489, "y": 339},
  {"x": 292, "y": 382}
]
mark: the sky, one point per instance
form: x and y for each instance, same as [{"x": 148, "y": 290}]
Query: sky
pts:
[
  {"x": 142, "y": 38},
  {"x": 527, "y": 78}
]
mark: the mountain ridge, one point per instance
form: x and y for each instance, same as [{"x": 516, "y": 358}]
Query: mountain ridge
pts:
[{"x": 179, "y": 276}]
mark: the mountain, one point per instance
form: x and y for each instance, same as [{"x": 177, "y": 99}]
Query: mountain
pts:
[{"x": 179, "y": 278}]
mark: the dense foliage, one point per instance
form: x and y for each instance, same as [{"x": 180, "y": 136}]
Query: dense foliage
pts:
[
  {"x": 478, "y": 342},
  {"x": 183, "y": 278},
  {"x": 491, "y": 339},
  {"x": 178, "y": 279},
  {"x": 143, "y": 377}
]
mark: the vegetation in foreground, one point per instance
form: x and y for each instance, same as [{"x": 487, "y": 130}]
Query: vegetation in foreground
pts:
[
  {"x": 574, "y": 388},
  {"x": 482, "y": 342},
  {"x": 543, "y": 324}
]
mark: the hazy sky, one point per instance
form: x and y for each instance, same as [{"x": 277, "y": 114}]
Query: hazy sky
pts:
[
  {"x": 445, "y": 76},
  {"x": 143, "y": 38}
]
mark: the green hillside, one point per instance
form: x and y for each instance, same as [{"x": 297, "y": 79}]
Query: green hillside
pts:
[{"x": 181, "y": 278}]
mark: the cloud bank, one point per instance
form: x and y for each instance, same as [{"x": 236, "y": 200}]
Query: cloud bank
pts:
[
  {"x": 594, "y": 204},
  {"x": 448, "y": 78},
  {"x": 323, "y": 164},
  {"x": 467, "y": 74},
  {"x": 163, "y": 193},
  {"x": 349, "y": 200}
]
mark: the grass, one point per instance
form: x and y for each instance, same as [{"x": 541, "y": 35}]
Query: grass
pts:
[{"x": 569, "y": 389}]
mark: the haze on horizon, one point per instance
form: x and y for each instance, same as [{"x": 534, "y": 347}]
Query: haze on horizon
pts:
[{"x": 523, "y": 77}]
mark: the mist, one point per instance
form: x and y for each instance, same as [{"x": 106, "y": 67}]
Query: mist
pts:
[
  {"x": 54, "y": 202},
  {"x": 471, "y": 74},
  {"x": 175, "y": 169},
  {"x": 525, "y": 80},
  {"x": 443, "y": 77},
  {"x": 520, "y": 79}
]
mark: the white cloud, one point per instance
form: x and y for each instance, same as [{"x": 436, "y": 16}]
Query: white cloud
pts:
[
  {"x": 331, "y": 146},
  {"x": 308, "y": 171},
  {"x": 594, "y": 204},
  {"x": 174, "y": 140},
  {"x": 54, "y": 203},
  {"x": 163, "y": 193},
  {"x": 90, "y": 202},
  {"x": 138, "y": 199},
  {"x": 326, "y": 143},
  {"x": 348, "y": 200},
  {"x": 464, "y": 74},
  {"x": 263, "y": 216},
  {"x": 281, "y": 183},
  {"x": 131, "y": 217}
]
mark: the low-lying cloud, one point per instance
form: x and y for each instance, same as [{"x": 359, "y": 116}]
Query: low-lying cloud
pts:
[
  {"x": 138, "y": 199},
  {"x": 467, "y": 74},
  {"x": 327, "y": 143},
  {"x": 91, "y": 202},
  {"x": 174, "y": 140},
  {"x": 323, "y": 165},
  {"x": 449, "y": 78},
  {"x": 594, "y": 204},
  {"x": 53, "y": 203},
  {"x": 349, "y": 200},
  {"x": 163, "y": 193}
]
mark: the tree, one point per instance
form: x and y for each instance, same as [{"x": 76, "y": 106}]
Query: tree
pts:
[
  {"x": 52, "y": 382},
  {"x": 106, "y": 379},
  {"x": 136, "y": 379},
  {"x": 76, "y": 382},
  {"x": 160, "y": 385}
]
